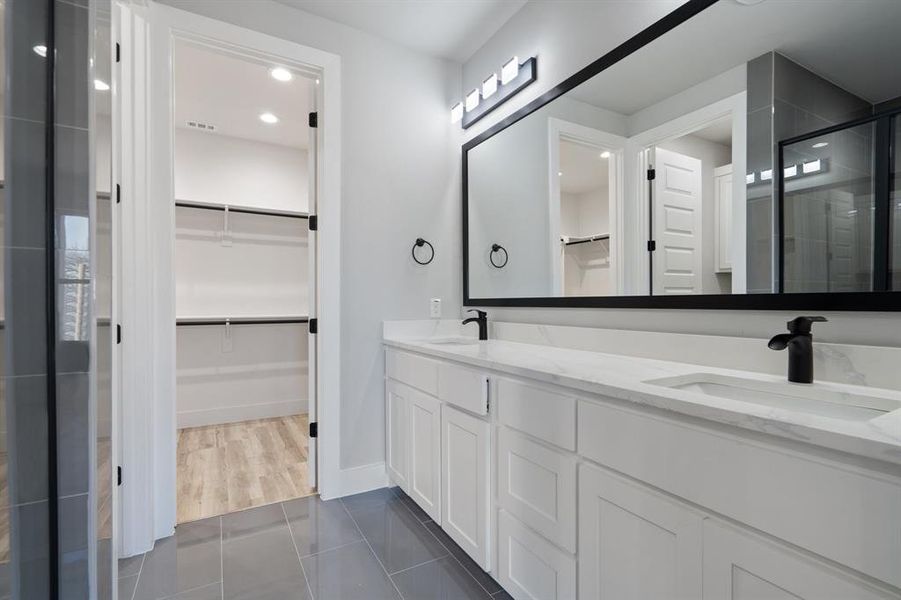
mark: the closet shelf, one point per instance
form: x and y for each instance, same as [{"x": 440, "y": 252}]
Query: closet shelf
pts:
[
  {"x": 242, "y": 209},
  {"x": 585, "y": 239},
  {"x": 261, "y": 320}
]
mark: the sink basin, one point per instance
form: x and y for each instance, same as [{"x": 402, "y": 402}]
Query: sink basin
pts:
[
  {"x": 452, "y": 341},
  {"x": 820, "y": 399}
]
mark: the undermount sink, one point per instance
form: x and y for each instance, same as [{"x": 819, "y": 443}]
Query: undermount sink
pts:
[
  {"x": 452, "y": 341},
  {"x": 820, "y": 399}
]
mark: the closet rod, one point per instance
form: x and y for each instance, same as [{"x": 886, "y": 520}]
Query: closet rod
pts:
[
  {"x": 240, "y": 321},
  {"x": 594, "y": 238},
  {"x": 241, "y": 209}
]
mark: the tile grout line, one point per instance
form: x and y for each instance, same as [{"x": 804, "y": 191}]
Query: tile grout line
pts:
[
  {"x": 134, "y": 592},
  {"x": 365, "y": 539},
  {"x": 405, "y": 569},
  {"x": 297, "y": 552},
  {"x": 338, "y": 547}
]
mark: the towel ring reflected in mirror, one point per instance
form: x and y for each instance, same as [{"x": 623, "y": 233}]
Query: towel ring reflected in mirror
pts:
[
  {"x": 495, "y": 248},
  {"x": 419, "y": 243}
]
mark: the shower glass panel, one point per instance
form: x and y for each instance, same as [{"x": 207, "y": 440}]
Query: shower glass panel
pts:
[
  {"x": 895, "y": 260},
  {"x": 828, "y": 210}
]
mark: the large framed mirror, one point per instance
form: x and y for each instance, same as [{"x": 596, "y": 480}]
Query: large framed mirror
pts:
[{"x": 735, "y": 154}]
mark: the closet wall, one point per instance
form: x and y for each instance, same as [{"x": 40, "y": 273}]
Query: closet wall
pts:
[{"x": 237, "y": 266}]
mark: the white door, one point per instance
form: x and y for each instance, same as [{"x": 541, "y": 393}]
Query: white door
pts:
[
  {"x": 424, "y": 478},
  {"x": 722, "y": 187},
  {"x": 676, "y": 221},
  {"x": 634, "y": 543},
  {"x": 464, "y": 482},
  {"x": 398, "y": 419},
  {"x": 742, "y": 566},
  {"x": 313, "y": 297}
]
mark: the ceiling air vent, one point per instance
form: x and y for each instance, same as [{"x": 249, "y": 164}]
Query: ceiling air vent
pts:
[{"x": 201, "y": 126}]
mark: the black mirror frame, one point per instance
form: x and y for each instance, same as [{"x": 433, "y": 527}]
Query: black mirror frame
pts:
[{"x": 839, "y": 301}]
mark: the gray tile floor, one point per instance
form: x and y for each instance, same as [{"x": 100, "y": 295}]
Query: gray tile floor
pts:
[{"x": 369, "y": 546}]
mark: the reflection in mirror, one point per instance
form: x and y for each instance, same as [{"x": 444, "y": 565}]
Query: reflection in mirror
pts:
[{"x": 745, "y": 151}]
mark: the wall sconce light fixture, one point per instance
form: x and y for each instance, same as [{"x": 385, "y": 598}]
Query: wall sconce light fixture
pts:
[{"x": 495, "y": 90}]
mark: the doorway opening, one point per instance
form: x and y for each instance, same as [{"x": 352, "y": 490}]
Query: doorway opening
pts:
[{"x": 245, "y": 280}]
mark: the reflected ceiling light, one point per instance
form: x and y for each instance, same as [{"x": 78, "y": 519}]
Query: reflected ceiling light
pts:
[
  {"x": 750, "y": 177},
  {"x": 268, "y": 117},
  {"x": 489, "y": 86},
  {"x": 559, "y": 173},
  {"x": 472, "y": 100},
  {"x": 790, "y": 171},
  {"x": 812, "y": 166},
  {"x": 40, "y": 50},
  {"x": 510, "y": 70},
  {"x": 766, "y": 175},
  {"x": 820, "y": 145},
  {"x": 605, "y": 154},
  {"x": 281, "y": 74},
  {"x": 457, "y": 112},
  {"x": 100, "y": 85}
]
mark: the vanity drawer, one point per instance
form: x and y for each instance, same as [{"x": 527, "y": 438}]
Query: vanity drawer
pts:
[
  {"x": 546, "y": 415},
  {"x": 415, "y": 371},
  {"x": 529, "y": 567},
  {"x": 463, "y": 387},
  {"x": 842, "y": 512},
  {"x": 538, "y": 485}
]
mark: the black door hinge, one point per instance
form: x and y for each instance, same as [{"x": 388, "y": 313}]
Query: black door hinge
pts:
[
  {"x": 314, "y": 223},
  {"x": 118, "y": 194},
  {"x": 118, "y": 52},
  {"x": 652, "y": 245},
  {"x": 118, "y": 475},
  {"x": 652, "y": 174},
  {"x": 314, "y": 119},
  {"x": 314, "y": 429},
  {"x": 314, "y": 326},
  {"x": 118, "y": 334}
]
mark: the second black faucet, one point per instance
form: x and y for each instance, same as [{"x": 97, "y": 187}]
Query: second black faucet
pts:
[{"x": 482, "y": 320}]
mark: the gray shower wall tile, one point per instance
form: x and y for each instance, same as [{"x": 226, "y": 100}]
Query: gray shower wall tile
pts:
[
  {"x": 795, "y": 85},
  {"x": 26, "y": 312},
  {"x": 29, "y": 525},
  {"x": 760, "y": 82},
  {"x": 72, "y": 185},
  {"x": 73, "y": 46},
  {"x": 27, "y": 433},
  {"x": 73, "y": 432},
  {"x": 25, "y": 185},
  {"x": 73, "y": 548},
  {"x": 25, "y": 29}
]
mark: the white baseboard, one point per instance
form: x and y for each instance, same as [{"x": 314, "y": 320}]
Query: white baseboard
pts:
[
  {"x": 233, "y": 414},
  {"x": 356, "y": 480}
]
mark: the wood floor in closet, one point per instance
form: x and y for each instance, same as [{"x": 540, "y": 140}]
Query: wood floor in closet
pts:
[{"x": 224, "y": 468}]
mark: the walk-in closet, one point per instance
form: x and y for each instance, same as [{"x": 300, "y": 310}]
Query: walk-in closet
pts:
[{"x": 244, "y": 280}]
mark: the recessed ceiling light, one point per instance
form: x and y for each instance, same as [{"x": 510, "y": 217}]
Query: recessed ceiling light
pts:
[
  {"x": 559, "y": 173},
  {"x": 100, "y": 85},
  {"x": 268, "y": 117},
  {"x": 40, "y": 50},
  {"x": 605, "y": 154},
  {"x": 281, "y": 74},
  {"x": 820, "y": 145}
]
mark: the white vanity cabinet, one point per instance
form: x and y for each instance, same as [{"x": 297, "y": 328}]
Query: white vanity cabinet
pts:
[{"x": 562, "y": 494}]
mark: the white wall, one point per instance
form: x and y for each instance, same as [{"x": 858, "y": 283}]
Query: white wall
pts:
[
  {"x": 219, "y": 169},
  {"x": 566, "y": 37},
  {"x": 400, "y": 181}
]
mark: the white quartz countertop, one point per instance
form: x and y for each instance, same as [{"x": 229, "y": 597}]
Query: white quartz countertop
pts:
[{"x": 624, "y": 378}]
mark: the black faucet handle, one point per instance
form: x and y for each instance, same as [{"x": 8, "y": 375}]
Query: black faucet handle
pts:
[
  {"x": 802, "y": 325},
  {"x": 481, "y": 313}
]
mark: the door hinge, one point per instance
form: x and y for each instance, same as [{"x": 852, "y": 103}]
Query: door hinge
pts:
[
  {"x": 314, "y": 326},
  {"x": 118, "y": 52},
  {"x": 314, "y": 223},
  {"x": 118, "y": 193},
  {"x": 118, "y": 334},
  {"x": 314, "y": 429},
  {"x": 118, "y": 475},
  {"x": 652, "y": 246},
  {"x": 652, "y": 174},
  {"x": 314, "y": 119}
]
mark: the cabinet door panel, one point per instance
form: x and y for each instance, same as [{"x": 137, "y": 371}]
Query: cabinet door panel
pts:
[
  {"x": 531, "y": 568},
  {"x": 635, "y": 543},
  {"x": 743, "y": 566},
  {"x": 425, "y": 454},
  {"x": 398, "y": 421},
  {"x": 464, "y": 482}
]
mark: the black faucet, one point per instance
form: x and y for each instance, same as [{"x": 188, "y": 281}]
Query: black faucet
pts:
[
  {"x": 799, "y": 342},
  {"x": 482, "y": 320}
]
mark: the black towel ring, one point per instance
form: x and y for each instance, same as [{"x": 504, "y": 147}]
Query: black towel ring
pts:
[
  {"x": 419, "y": 244},
  {"x": 496, "y": 248}
]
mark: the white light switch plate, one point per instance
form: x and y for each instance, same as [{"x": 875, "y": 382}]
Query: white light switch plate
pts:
[{"x": 435, "y": 308}]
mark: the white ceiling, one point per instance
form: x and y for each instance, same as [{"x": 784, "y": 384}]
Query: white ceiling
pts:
[
  {"x": 230, "y": 93},
  {"x": 718, "y": 132},
  {"x": 855, "y": 44},
  {"x": 583, "y": 170},
  {"x": 452, "y": 29}
]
